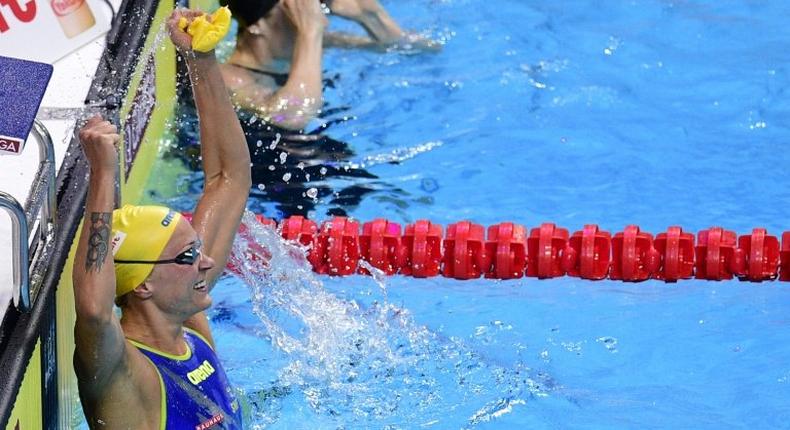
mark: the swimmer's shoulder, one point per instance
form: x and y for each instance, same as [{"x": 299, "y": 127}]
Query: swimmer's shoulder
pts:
[{"x": 241, "y": 79}]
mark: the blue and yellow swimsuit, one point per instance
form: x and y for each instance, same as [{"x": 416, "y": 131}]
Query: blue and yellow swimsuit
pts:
[{"x": 195, "y": 390}]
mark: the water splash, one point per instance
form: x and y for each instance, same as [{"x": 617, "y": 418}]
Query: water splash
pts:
[
  {"x": 366, "y": 365},
  {"x": 158, "y": 43},
  {"x": 78, "y": 114},
  {"x": 397, "y": 155}
]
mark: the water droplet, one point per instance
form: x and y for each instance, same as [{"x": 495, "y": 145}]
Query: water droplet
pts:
[{"x": 609, "y": 342}]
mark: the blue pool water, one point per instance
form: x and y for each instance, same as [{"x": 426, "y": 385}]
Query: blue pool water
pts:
[{"x": 650, "y": 112}]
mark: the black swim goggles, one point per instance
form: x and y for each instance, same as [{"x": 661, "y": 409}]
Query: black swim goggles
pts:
[{"x": 188, "y": 257}]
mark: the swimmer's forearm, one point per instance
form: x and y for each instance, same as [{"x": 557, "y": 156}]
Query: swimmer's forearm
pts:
[
  {"x": 223, "y": 146},
  {"x": 306, "y": 65},
  {"x": 93, "y": 272},
  {"x": 380, "y": 26},
  {"x": 300, "y": 99},
  {"x": 337, "y": 39}
]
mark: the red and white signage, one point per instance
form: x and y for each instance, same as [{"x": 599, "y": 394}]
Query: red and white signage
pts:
[
  {"x": 11, "y": 145},
  {"x": 46, "y": 30}
]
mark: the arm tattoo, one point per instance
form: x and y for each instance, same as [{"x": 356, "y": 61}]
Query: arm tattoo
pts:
[{"x": 98, "y": 240}]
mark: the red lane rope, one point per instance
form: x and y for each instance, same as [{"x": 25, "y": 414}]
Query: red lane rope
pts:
[{"x": 507, "y": 251}]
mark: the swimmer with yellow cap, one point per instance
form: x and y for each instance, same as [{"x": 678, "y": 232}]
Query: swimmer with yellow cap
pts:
[
  {"x": 154, "y": 365},
  {"x": 139, "y": 233}
]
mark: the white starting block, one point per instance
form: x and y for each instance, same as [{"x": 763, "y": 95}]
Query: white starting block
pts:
[{"x": 22, "y": 87}]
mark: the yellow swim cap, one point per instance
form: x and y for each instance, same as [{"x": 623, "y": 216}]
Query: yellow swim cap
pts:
[
  {"x": 207, "y": 33},
  {"x": 139, "y": 233}
]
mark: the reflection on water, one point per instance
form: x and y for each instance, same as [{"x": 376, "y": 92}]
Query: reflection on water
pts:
[
  {"x": 294, "y": 171},
  {"x": 365, "y": 365}
]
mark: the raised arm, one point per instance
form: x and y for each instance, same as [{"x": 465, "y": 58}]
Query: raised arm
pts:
[
  {"x": 226, "y": 159},
  {"x": 381, "y": 28},
  {"x": 370, "y": 15},
  {"x": 298, "y": 101},
  {"x": 99, "y": 339}
]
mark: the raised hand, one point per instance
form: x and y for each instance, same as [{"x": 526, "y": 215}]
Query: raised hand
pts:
[
  {"x": 181, "y": 38},
  {"x": 305, "y": 15},
  {"x": 99, "y": 141},
  {"x": 383, "y": 30}
]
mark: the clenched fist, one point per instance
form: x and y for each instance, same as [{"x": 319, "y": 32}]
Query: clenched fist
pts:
[
  {"x": 99, "y": 141},
  {"x": 180, "y": 37}
]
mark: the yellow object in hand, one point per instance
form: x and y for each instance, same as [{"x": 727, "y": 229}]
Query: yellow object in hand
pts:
[{"x": 206, "y": 33}]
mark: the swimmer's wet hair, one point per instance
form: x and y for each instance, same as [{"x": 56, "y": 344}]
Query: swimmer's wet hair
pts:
[{"x": 248, "y": 12}]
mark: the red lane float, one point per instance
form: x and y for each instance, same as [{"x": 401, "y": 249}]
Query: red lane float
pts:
[
  {"x": 506, "y": 252},
  {"x": 304, "y": 232},
  {"x": 506, "y": 249},
  {"x": 422, "y": 249},
  {"x": 380, "y": 245},
  {"x": 464, "y": 251},
  {"x": 716, "y": 255},
  {"x": 336, "y": 248},
  {"x": 633, "y": 257},
  {"x": 544, "y": 246},
  {"x": 299, "y": 229},
  {"x": 784, "y": 258},
  {"x": 588, "y": 254},
  {"x": 761, "y": 253},
  {"x": 676, "y": 249}
]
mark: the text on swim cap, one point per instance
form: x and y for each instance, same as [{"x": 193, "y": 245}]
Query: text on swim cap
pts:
[
  {"x": 201, "y": 373},
  {"x": 168, "y": 218},
  {"x": 117, "y": 241}
]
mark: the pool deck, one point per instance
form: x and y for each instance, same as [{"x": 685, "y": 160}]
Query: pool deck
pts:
[{"x": 71, "y": 80}]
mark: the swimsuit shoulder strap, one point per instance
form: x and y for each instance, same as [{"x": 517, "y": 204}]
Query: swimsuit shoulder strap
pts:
[{"x": 279, "y": 78}]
